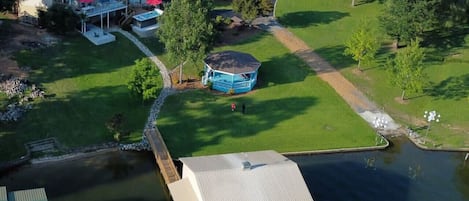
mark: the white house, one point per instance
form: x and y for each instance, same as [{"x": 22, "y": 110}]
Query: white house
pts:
[
  {"x": 27, "y": 9},
  {"x": 250, "y": 176}
]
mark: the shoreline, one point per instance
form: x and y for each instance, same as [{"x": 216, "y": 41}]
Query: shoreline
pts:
[
  {"x": 80, "y": 155},
  {"x": 70, "y": 156}
]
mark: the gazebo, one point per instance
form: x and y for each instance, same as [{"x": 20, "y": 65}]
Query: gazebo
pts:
[{"x": 230, "y": 70}]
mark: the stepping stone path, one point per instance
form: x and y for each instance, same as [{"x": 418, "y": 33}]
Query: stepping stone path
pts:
[{"x": 167, "y": 90}]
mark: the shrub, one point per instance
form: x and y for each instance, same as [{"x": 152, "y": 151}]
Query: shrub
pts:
[
  {"x": 231, "y": 91},
  {"x": 210, "y": 85}
]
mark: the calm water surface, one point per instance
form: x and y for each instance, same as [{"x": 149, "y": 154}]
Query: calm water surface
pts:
[
  {"x": 400, "y": 173},
  {"x": 112, "y": 176}
]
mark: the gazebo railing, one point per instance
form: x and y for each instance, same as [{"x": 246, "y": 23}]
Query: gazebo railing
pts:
[{"x": 237, "y": 86}]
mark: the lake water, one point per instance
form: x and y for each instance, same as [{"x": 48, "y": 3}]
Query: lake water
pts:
[
  {"x": 400, "y": 173},
  {"x": 112, "y": 176}
]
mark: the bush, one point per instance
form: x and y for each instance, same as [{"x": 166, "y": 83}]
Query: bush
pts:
[
  {"x": 231, "y": 91},
  {"x": 59, "y": 19},
  {"x": 115, "y": 126},
  {"x": 210, "y": 85}
]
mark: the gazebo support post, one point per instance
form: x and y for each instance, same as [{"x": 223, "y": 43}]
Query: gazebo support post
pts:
[
  {"x": 180, "y": 72},
  {"x": 107, "y": 20}
]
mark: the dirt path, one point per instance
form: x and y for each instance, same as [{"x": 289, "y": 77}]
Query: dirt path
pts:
[{"x": 354, "y": 97}]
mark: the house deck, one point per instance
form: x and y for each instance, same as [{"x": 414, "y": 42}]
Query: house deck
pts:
[{"x": 98, "y": 36}]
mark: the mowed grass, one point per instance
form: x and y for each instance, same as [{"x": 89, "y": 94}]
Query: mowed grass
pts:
[
  {"x": 290, "y": 110},
  {"x": 325, "y": 25},
  {"x": 86, "y": 86}
]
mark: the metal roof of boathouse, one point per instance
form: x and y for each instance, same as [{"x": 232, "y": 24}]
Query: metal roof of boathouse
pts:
[{"x": 250, "y": 176}]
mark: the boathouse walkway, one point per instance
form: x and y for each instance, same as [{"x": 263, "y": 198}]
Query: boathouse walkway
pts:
[{"x": 162, "y": 156}]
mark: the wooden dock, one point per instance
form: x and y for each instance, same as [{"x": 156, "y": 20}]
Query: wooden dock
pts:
[{"x": 162, "y": 156}]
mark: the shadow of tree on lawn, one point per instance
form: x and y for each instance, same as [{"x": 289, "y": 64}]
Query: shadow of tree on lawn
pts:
[
  {"x": 335, "y": 56},
  {"x": 455, "y": 88},
  {"x": 193, "y": 126},
  {"x": 310, "y": 18},
  {"x": 444, "y": 43},
  {"x": 283, "y": 69}
]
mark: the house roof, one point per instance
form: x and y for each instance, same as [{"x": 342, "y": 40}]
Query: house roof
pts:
[
  {"x": 37, "y": 194},
  {"x": 232, "y": 62},
  {"x": 256, "y": 176},
  {"x": 3, "y": 193}
]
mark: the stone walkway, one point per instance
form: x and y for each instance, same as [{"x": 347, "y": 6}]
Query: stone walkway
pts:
[
  {"x": 354, "y": 97},
  {"x": 167, "y": 87},
  {"x": 151, "y": 135}
]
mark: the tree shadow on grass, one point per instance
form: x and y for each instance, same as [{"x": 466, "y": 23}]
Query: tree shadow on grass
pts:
[
  {"x": 362, "y": 2},
  {"x": 443, "y": 44},
  {"x": 191, "y": 127},
  {"x": 310, "y": 18},
  {"x": 78, "y": 118},
  {"x": 283, "y": 69},
  {"x": 454, "y": 87},
  {"x": 77, "y": 57},
  {"x": 335, "y": 56}
]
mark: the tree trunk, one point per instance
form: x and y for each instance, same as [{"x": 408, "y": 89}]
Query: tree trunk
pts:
[
  {"x": 403, "y": 94},
  {"x": 180, "y": 72},
  {"x": 359, "y": 62},
  {"x": 353, "y": 3},
  {"x": 395, "y": 44}
]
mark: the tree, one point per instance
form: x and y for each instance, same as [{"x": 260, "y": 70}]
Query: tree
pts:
[
  {"x": 115, "y": 126},
  {"x": 7, "y": 5},
  {"x": 144, "y": 79},
  {"x": 404, "y": 20},
  {"x": 59, "y": 19},
  {"x": 363, "y": 44},
  {"x": 453, "y": 13},
  {"x": 186, "y": 31},
  {"x": 406, "y": 70},
  {"x": 266, "y": 7},
  {"x": 248, "y": 9}
]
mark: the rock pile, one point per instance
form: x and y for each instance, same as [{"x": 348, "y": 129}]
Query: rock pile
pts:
[
  {"x": 139, "y": 146},
  {"x": 13, "y": 87},
  {"x": 36, "y": 92},
  {"x": 13, "y": 112}
]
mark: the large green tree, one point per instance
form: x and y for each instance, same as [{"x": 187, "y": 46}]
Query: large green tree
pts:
[
  {"x": 406, "y": 69},
  {"x": 363, "y": 44},
  {"x": 453, "y": 13},
  {"x": 7, "y": 5},
  {"x": 143, "y": 80},
  {"x": 248, "y": 9},
  {"x": 59, "y": 19},
  {"x": 404, "y": 20},
  {"x": 186, "y": 31}
]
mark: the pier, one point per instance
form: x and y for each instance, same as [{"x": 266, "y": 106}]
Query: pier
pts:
[{"x": 162, "y": 156}]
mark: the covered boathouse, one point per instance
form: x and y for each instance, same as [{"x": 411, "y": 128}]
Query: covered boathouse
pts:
[{"x": 250, "y": 176}]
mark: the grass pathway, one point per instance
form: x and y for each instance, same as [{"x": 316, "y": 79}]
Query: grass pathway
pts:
[{"x": 354, "y": 97}]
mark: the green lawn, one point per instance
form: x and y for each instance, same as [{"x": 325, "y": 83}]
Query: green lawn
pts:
[
  {"x": 325, "y": 25},
  {"x": 223, "y": 4},
  {"x": 86, "y": 85},
  {"x": 290, "y": 110},
  {"x": 190, "y": 69}
]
